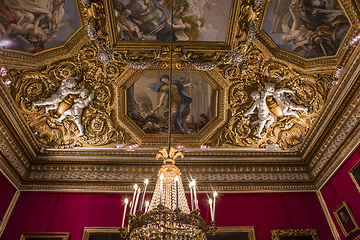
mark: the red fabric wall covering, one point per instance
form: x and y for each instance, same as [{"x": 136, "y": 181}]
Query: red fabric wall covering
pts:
[
  {"x": 7, "y": 192},
  {"x": 341, "y": 188},
  {"x": 71, "y": 212}
]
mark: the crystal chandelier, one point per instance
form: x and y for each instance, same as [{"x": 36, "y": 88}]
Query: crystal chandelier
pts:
[{"x": 168, "y": 216}]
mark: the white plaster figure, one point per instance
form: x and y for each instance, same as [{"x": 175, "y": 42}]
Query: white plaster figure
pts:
[
  {"x": 65, "y": 88},
  {"x": 282, "y": 100},
  {"x": 265, "y": 119},
  {"x": 77, "y": 108}
]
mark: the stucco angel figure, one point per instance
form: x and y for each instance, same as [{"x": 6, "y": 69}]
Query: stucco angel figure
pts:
[
  {"x": 65, "y": 88},
  {"x": 265, "y": 119},
  {"x": 77, "y": 108},
  {"x": 282, "y": 100}
]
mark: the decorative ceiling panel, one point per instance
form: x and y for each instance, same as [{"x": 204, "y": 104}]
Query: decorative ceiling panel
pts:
[{"x": 92, "y": 110}]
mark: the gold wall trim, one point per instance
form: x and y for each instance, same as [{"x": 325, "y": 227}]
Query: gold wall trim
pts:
[
  {"x": 327, "y": 214},
  {"x": 9, "y": 211}
]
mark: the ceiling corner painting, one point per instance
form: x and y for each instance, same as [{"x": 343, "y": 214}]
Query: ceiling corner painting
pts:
[
  {"x": 194, "y": 20},
  {"x": 193, "y": 102},
  {"x": 35, "y": 25},
  {"x": 308, "y": 28}
]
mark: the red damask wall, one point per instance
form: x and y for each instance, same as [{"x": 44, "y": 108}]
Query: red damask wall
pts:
[
  {"x": 7, "y": 192},
  {"x": 341, "y": 188},
  {"x": 71, "y": 212}
]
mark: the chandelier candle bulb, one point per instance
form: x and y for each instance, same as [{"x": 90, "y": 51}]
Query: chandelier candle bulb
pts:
[
  {"x": 215, "y": 195},
  {"x": 146, "y": 182},
  {"x": 161, "y": 185},
  {"x": 133, "y": 199},
  {"x": 192, "y": 196},
  {"x": 137, "y": 199},
  {"x": 195, "y": 197},
  {"x": 177, "y": 191},
  {"x": 146, "y": 206},
  {"x": 123, "y": 219},
  {"x": 211, "y": 209}
]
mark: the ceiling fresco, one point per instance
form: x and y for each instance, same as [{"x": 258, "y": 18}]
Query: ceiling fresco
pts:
[
  {"x": 307, "y": 28},
  {"x": 85, "y": 100},
  {"x": 194, "y": 20},
  {"x": 194, "y": 102},
  {"x": 33, "y": 26}
]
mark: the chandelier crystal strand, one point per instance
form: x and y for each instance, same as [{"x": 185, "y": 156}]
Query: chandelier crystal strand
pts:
[{"x": 183, "y": 204}]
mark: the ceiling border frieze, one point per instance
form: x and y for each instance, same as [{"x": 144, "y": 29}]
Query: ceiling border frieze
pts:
[
  {"x": 340, "y": 132},
  {"x": 120, "y": 187},
  {"x": 341, "y": 155},
  {"x": 9, "y": 172},
  {"x": 15, "y": 124},
  {"x": 334, "y": 108}
]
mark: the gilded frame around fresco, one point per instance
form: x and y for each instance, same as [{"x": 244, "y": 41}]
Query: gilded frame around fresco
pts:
[
  {"x": 355, "y": 168},
  {"x": 46, "y": 235},
  {"x": 293, "y": 233},
  {"x": 337, "y": 211}
]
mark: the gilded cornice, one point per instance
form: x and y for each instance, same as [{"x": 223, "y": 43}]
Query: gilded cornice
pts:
[
  {"x": 339, "y": 107},
  {"x": 9, "y": 172},
  {"x": 331, "y": 131},
  {"x": 121, "y": 187}
]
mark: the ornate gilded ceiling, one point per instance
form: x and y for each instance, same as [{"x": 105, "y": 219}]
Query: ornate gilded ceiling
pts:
[{"x": 84, "y": 98}]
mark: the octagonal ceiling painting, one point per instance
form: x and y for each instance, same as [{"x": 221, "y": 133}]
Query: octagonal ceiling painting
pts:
[
  {"x": 193, "y": 102},
  {"x": 309, "y": 28},
  {"x": 194, "y": 20},
  {"x": 33, "y": 26}
]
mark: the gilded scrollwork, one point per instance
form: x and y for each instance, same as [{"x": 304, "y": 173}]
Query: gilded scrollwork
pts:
[
  {"x": 80, "y": 87},
  {"x": 287, "y": 111}
]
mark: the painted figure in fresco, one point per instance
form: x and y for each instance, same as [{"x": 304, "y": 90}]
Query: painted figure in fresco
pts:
[
  {"x": 282, "y": 100},
  {"x": 65, "y": 88},
  {"x": 298, "y": 34},
  {"x": 126, "y": 28},
  {"x": 180, "y": 100},
  {"x": 265, "y": 119},
  {"x": 28, "y": 23},
  {"x": 329, "y": 26},
  {"x": 34, "y": 32},
  {"x": 149, "y": 15},
  {"x": 178, "y": 26},
  {"x": 77, "y": 108},
  {"x": 27, "y": 10}
]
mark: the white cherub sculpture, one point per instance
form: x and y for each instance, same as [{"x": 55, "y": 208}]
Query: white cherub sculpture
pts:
[
  {"x": 65, "y": 88},
  {"x": 282, "y": 100},
  {"x": 77, "y": 108},
  {"x": 265, "y": 119}
]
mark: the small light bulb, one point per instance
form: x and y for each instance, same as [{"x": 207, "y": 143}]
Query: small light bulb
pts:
[
  {"x": 146, "y": 181},
  {"x": 176, "y": 179},
  {"x": 126, "y": 201},
  {"x": 215, "y": 194},
  {"x": 210, "y": 201},
  {"x": 161, "y": 176},
  {"x": 135, "y": 187},
  {"x": 147, "y": 203}
]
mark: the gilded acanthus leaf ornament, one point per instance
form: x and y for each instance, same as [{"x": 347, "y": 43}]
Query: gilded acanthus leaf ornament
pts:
[
  {"x": 70, "y": 103},
  {"x": 270, "y": 103},
  {"x": 169, "y": 156}
]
